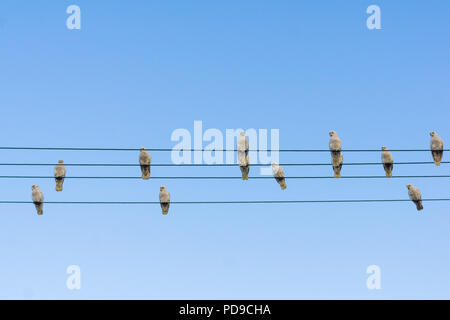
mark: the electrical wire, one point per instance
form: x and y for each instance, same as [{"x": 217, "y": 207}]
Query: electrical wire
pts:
[
  {"x": 209, "y": 165},
  {"x": 224, "y": 202},
  {"x": 203, "y": 150},
  {"x": 223, "y": 177}
]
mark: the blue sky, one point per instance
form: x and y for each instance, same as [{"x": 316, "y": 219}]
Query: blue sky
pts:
[{"x": 136, "y": 72}]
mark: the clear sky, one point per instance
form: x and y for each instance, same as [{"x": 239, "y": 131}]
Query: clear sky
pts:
[{"x": 137, "y": 71}]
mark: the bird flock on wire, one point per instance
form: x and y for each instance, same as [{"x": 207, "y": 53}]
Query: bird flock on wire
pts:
[{"x": 337, "y": 160}]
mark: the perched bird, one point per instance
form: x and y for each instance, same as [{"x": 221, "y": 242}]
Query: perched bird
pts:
[
  {"x": 278, "y": 174},
  {"x": 415, "y": 196},
  {"x": 335, "y": 145},
  {"x": 388, "y": 161},
  {"x": 243, "y": 156},
  {"x": 437, "y": 147},
  {"x": 38, "y": 199},
  {"x": 145, "y": 160},
  {"x": 337, "y": 166},
  {"x": 60, "y": 174},
  {"x": 164, "y": 199}
]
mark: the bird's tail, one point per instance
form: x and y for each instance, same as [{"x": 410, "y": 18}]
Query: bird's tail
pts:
[
  {"x": 145, "y": 172},
  {"x": 388, "y": 168},
  {"x": 419, "y": 205},
  {"x": 245, "y": 171},
  {"x": 39, "y": 208},
  {"x": 59, "y": 185},
  {"x": 283, "y": 184},
  {"x": 165, "y": 208},
  {"x": 437, "y": 157},
  {"x": 337, "y": 171}
]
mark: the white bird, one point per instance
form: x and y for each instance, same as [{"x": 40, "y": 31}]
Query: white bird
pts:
[
  {"x": 388, "y": 161},
  {"x": 335, "y": 145},
  {"x": 415, "y": 196},
  {"x": 278, "y": 174},
  {"x": 164, "y": 199},
  {"x": 145, "y": 161},
  {"x": 60, "y": 174},
  {"x": 38, "y": 199},
  {"x": 437, "y": 147},
  {"x": 243, "y": 156}
]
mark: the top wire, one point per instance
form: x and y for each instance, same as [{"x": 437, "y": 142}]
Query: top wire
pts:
[{"x": 203, "y": 150}]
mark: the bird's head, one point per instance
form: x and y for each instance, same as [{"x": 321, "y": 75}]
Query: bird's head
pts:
[
  {"x": 162, "y": 188},
  {"x": 34, "y": 187},
  {"x": 409, "y": 186},
  {"x": 61, "y": 161},
  {"x": 332, "y": 133},
  {"x": 432, "y": 133},
  {"x": 142, "y": 149},
  {"x": 383, "y": 148},
  {"x": 242, "y": 134}
]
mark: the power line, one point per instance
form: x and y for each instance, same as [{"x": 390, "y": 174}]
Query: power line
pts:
[
  {"x": 210, "y": 165},
  {"x": 223, "y": 177},
  {"x": 224, "y": 202},
  {"x": 202, "y": 150}
]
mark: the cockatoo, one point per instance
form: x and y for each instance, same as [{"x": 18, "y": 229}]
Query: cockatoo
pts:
[
  {"x": 437, "y": 147},
  {"x": 337, "y": 166},
  {"x": 38, "y": 199},
  {"x": 335, "y": 145},
  {"x": 164, "y": 199},
  {"x": 145, "y": 160},
  {"x": 415, "y": 196},
  {"x": 60, "y": 174},
  {"x": 388, "y": 161},
  {"x": 278, "y": 174},
  {"x": 243, "y": 156}
]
